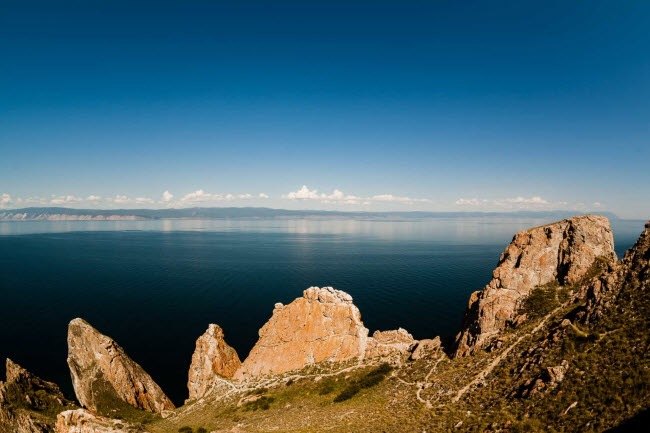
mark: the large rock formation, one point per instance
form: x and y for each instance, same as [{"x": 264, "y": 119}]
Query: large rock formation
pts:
[
  {"x": 631, "y": 274},
  {"x": 323, "y": 325},
  {"x": 103, "y": 375},
  {"x": 82, "y": 421},
  {"x": 563, "y": 251},
  {"x": 390, "y": 343},
  {"x": 212, "y": 359},
  {"x": 26, "y": 402}
]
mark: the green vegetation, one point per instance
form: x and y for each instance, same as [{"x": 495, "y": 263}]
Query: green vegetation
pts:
[
  {"x": 263, "y": 403},
  {"x": 327, "y": 386},
  {"x": 368, "y": 380},
  {"x": 542, "y": 300}
]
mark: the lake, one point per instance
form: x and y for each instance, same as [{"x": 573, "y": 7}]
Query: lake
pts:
[{"x": 154, "y": 286}]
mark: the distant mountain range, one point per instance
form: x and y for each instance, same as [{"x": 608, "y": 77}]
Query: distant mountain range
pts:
[{"x": 61, "y": 213}]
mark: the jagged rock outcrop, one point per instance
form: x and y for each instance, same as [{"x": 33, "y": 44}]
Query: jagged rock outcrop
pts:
[
  {"x": 563, "y": 251},
  {"x": 390, "y": 343},
  {"x": 426, "y": 348},
  {"x": 103, "y": 374},
  {"x": 323, "y": 325},
  {"x": 82, "y": 421},
  {"x": 27, "y": 400},
  {"x": 631, "y": 273},
  {"x": 212, "y": 359}
]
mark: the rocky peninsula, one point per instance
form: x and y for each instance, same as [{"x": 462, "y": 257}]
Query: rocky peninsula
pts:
[{"x": 558, "y": 340}]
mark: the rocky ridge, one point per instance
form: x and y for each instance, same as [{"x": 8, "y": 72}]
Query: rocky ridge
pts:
[
  {"x": 26, "y": 400},
  {"x": 104, "y": 375},
  {"x": 513, "y": 388},
  {"x": 563, "y": 251}
]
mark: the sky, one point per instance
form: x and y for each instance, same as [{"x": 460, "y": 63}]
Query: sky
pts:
[{"x": 409, "y": 105}]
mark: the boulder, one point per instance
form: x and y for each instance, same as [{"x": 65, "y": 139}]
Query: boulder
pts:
[
  {"x": 103, "y": 374},
  {"x": 426, "y": 348},
  {"x": 212, "y": 360},
  {"x": 82, "y": 421},
  {"x": 323, "y": 325},
  {"x": 563, "y": 251},
  {"x": 26, "y": 400},
  {"x": 389, "y": 343}
]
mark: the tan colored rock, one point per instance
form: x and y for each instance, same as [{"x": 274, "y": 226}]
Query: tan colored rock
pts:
[
  {"x": 82, "y": 421},
  {"x": 389, "y": 343},
  {"x": 562, "y": 251},
  {"x": 103, "y": 374},
  {"x": 426, "y": 348},
  {"x": 212, "y": 359},
  {"x": 323, "y": 325},
  {"x": 23, "y": 400}
]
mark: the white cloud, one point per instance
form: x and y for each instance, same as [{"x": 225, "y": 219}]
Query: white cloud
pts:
[
  {"x": 262, "y": 195},
  {"x": 93, "y": 198},
  {"x": 167, "y": 196},
  {"x": 338, "y": 196},
  {"x": 534, "y": 203},
  {"x": 65, "y": 199},
  {"x": 597, "y": 204},
  {"x": 5, "y": 200}
]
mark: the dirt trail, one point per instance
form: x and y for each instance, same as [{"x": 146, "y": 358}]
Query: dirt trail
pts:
[{"x": 487, "y": 370}]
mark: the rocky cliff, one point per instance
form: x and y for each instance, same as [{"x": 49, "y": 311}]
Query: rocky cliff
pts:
[
  {"x": 560, "y": 252},
  {"x": 103, "y": 375},
  {"x": 212, "y": 359},
  {"x": 27, "y": 402}
]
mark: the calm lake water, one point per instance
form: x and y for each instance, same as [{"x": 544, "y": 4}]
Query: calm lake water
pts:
[{"x": 154, "y": 286}]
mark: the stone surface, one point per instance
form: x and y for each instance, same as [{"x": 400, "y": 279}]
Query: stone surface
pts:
[
  {"x": 426, "y": 348},
  {"x": 103, "y": 374},
  {"x": 562, "y": 251},
  {"x": 212, "y": 359},
  {"x": 25, "y": 401},
  {"x": 82, "y": 421},
  {"x": 630, "y": 273},
  {"x": 323, "y": 325},
  {"x": 389, "y": 343}
]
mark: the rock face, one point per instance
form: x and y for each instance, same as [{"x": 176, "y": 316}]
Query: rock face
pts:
[
  {"x": 103, "y": 375},
  {"x": 563, "y": 251},
  {"x": 82, "y": 421},
  {"x": 426, "y": 348},
  {"x": 323, "y": 325},
  {"x": 390, "y": 343},
  {"x": 212, "y": 359},
  {"x": 25, "y": 401},
  {"x": 632, "y": 273}
]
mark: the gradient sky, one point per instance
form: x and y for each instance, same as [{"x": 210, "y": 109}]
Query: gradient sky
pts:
[{"x": 431, "y": 105}]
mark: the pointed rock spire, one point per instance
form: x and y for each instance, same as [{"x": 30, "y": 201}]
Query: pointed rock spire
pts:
[{"x": 212, "y": 359}]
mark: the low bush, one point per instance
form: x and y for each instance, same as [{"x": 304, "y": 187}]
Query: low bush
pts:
[{"x": 368, "y": 380}]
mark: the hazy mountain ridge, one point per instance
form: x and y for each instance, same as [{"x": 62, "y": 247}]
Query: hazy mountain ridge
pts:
[{"x": 61, "y": 213}]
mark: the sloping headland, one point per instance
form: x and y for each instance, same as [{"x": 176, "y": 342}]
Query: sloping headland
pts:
[{"x": 557, "y": 341}]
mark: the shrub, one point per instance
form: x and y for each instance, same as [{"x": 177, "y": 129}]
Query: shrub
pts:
[
  {"x": 263, "y": 403},
  {"x": 347, "y": 393},
  {"x": 201, "y": 430},
  {"x": 185, "y": 429},
  {"x": 327, "y": 386},
  {"x": 370, "y": 379}
]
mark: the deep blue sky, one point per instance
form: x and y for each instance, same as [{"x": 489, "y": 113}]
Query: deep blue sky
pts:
[{"x": 505, "y": 105}]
